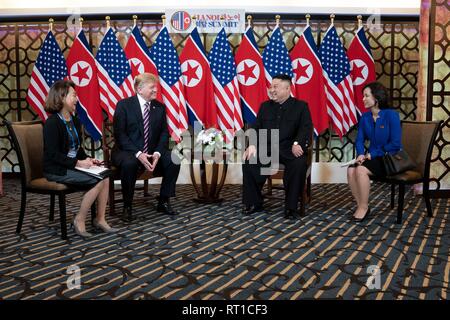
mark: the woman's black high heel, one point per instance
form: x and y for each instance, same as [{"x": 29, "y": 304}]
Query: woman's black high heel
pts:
[{"x": 365, "y": 216}]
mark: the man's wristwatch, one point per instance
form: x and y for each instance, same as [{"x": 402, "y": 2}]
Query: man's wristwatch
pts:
[{"x": 295, "y": 143}]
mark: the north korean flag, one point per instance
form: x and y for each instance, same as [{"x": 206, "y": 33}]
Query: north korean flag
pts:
[
  {"x": 138, "y": 56},
  {"x": 362, "y": 66},
  {"x": 250, "y": 74},
  {"x": 83, "y": 72},
  {"x": 308, "y": 79},
  {"x": 197, "y": 79}
]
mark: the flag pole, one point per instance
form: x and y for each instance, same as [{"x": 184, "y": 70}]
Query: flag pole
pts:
[
  {"x": 359, "y": 17},
  {"x": 277, "y": 19},
  {"x": 108, "y": 23},
  {"x": 249, "y": 20},
  {"x": 330, "y": 128},
  {"x": 308, "y": 16},
  {"x": 163, "y": 18},
  {"x": 50, "y": 24},
  {"x": 222, "y": 19},
  {"x": 134, "y": 20}
]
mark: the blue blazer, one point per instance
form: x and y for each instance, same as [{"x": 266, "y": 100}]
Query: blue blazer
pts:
[{"x": 384, "y": 136}]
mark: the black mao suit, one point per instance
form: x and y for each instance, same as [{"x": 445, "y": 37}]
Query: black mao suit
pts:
[
  {"x": 293, "y": 120},
  {"x": 129, "y": 139}
]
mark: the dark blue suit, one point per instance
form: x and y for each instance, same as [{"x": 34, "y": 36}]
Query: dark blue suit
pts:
[{"x": 129, "y": 139}]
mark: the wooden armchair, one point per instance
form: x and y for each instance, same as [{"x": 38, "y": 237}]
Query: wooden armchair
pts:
[
  {"x": 305, "y": 197},
  {"x": 28, "y": 142}
]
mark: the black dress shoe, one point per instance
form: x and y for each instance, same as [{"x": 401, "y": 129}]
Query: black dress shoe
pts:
[
  {"x": 127, "y": 214},
  {"x": 290, "y": 214},
  {"x": 166, "y": 208},
  {"x": 363, "y": 218},
  {"x": 252, "y": 209}
]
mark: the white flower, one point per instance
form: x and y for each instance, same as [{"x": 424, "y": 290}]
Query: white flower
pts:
[{"x": 200, "y": 136}]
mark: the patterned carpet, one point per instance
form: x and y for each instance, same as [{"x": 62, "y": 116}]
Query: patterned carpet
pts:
[{"x": 214, "y": 252}]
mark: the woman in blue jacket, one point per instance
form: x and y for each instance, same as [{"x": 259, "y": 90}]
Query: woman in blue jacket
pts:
[{"x": 381, "y": 127}]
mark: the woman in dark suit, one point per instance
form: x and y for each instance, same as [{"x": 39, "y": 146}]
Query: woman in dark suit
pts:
[
  {"x": 63, "y": 152},
  {"x": 381, "y": 127}
]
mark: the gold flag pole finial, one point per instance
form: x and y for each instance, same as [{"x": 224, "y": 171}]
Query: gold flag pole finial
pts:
[
  {"x": 249, "y": 20},
  {"x": 308, "y": 16},
  {"x": 359, "y": 21},
  {"x": 277, "y": 19},
  {"x": 135, "y": 17},
  {"x": 108, "y": 22},
  {"x": 163, "y": 18},
  {"x": 194, "y": 22},
  {"x": 81, "y": 23},
  {"x": 332, "y": 16},
  {"x": 50, "y": 24}
]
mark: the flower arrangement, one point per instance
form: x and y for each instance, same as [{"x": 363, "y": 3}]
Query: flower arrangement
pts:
[
  {"x": 206, "y": 144},
  {"x": 210, "y": 139}
]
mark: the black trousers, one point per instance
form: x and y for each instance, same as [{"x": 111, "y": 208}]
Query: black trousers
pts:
[
  {"x": 293, "y": 181},
  {"x": 130, "y": 166}
]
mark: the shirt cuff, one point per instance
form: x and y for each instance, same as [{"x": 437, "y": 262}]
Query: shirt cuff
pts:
[
  {"x": 138, "y": 154},
  {"x": 157, "y": 153}
]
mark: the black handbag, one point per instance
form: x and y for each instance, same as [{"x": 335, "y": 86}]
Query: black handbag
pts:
[{"x": 398, "y": 162}]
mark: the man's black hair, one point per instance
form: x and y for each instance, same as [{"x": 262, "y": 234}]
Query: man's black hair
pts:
[{"x": 282, "y": 77}]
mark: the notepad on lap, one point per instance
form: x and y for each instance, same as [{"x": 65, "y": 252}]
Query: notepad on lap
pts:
[
  {"x": 346, "y": 164},
  {"x": 96, "y": 171}
]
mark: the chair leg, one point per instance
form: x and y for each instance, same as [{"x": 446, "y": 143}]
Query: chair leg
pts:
[
  {"x": 62, "y": 215},
  {"x": 269, "y": 186},
  {"x": 146, "y": 194},
  {"x": 426, "y": 196},
  {"x": 111, "y": 197},
  {"x": 302, "y": 203},
  {"x": 392, "y": 196},
  {"x": 93, "y": 212},
  {"x": 52, "y": 208},
  {"x": 308, "y": 190},
  {"x": 401, "y": 196},
  {"x": 23, "y": 203}
]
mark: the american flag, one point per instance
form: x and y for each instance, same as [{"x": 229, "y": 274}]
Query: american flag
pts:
[
  {"x": 276, "y": 57},
  {"x": 165, "y": 56},
  {"x": 226, "y": 90},
  {"x": 338, "y": 82},
  {"x": 50, "y": 66},
  {"x": 114, "y": 73}
]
